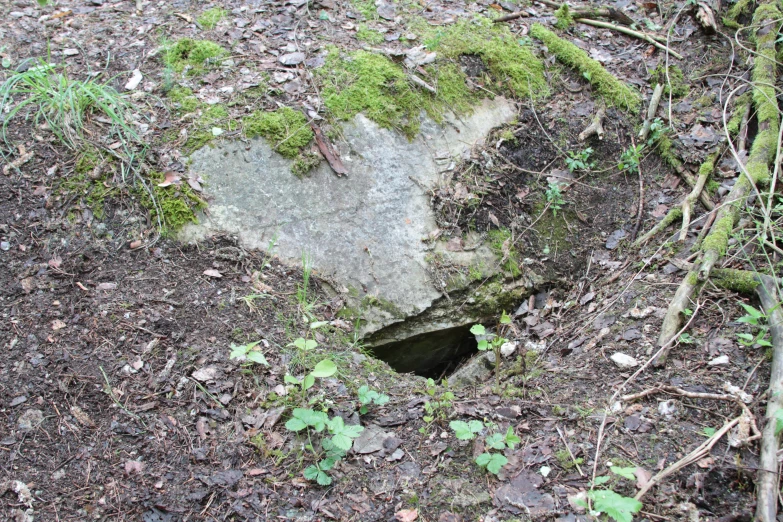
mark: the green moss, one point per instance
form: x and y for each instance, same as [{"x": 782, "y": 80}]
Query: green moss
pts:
[
  {"x": 210, "y": 18},
  {"x": 741, "y": 7},
  {"x": 371, "y": 36},
  {"x": 742, "y": 281},
  {"x": 513, "y": 66},
  {"x": 183, "y": 99},
  {"x": 676, "y": 80},
  {"x": 304, "y": 163},
  {"x": 666, "y": 152},
  {"x": 740, "y": 106},
  {"x": 87, "y": 160},
  {"x": 175, "y": 205},
  {"x": 194, "y": 54},
  {"x": 366, "y": 8},
  {"x": 497, "y": 238},
  {"x": 613, "y": 90},
  {"x": 718, "y": 238},
  {"x": 383, "y": 304},
  {"x": 285, "y": 128},
  {"x": 564, "y": 18},
  {"x": 197, "y": 139}
]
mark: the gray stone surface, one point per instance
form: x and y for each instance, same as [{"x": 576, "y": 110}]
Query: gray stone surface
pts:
[{"x": 364, "y": 231}]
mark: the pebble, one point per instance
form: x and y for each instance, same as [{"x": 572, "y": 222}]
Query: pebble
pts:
[
  {"x": 5, "y": 245},
  {"x": 718, "y": 361},
  {"x": 624, "y": 361}
]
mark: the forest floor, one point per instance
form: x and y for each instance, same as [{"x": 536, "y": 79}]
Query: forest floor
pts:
[{"x": 118, "y": 396}]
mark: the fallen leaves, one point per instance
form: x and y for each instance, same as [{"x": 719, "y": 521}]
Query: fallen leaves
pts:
[{"x": 211, "y": 272}]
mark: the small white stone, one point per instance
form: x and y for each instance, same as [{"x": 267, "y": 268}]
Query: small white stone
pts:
[
  {"x": 667, "y": 409},
  {"x": 508, "y": 348},
  {"x": 723, "y": 359},
  {"x": 624, "y": 361}
]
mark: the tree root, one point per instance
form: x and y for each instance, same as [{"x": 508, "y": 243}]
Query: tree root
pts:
[
  {"x": 630, "y": 32},
  {"x": 687, "y": 205}
]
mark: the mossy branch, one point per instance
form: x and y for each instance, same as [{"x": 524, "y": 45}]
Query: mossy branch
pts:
[
  {"x": 764, "y": 147},
  {"x": 615, "y": 92},
  {"x": 687, "y": 204}
]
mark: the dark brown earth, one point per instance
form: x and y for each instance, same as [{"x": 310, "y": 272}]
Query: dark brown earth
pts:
[{"x": 124, "y": 352}]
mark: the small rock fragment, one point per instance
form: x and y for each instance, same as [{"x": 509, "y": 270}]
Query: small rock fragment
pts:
[
  {"x": 718, "y": 361},
  {"x": 29, "y": 420},
  {"x": 624, "y": 361}
]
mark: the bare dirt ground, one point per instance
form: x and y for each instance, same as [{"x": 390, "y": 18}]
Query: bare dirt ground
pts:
[{"x": 118, "y": 398}]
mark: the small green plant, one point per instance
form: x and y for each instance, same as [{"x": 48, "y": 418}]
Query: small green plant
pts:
[
  {"x": 248, "y": 352},
  {"x": 554, "y": 197},
  {"x": 334, "y": 446},
  {"x": 630, "y": 159},
  {"x": 580, "y": 160},
  {"x": 210, "y": 18},
  {"x": 439, "y": 403},
  {"x": 616, "y": 506},
  {"x": 368, "y": 396},
  {"x": 488, "y": 460},
  {"x": 324, "y": 368},
  {"x": 495, "y": 341},
  {"x": 756, "y": 318},
  {"x": 657, "y": 131}
]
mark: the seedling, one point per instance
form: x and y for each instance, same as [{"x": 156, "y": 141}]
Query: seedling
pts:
[
  {"x": 334, "y": 447},
  {"x": 630, "y": 159},
  {"x": 249, "y": 352},
  {"x": 756, "y": 318},
  {"x": 616, "y": 506},
  {"x": 487, "y": 340},
  {"x": 438, "y": 406},
  {"x": 368, "y": 396},
  {"x": 488, "y": 460},
  {"x": 325, "y": 368},
  {"x": 554, "y": 197},
  {"x": 580, "y": 160}
]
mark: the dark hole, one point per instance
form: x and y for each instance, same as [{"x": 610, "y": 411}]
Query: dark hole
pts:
[{"x": 433, "y": 354}]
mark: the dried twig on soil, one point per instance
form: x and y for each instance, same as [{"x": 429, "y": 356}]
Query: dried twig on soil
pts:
[
  {"x": 630, "y": 32},
  {"x": 767, "y": 484},
  {"x": 328, "y": 152},
  {"x": 651, "y": 110},
  {"x": 694, "y": 456},
  {"x": 596, "y": 126}
]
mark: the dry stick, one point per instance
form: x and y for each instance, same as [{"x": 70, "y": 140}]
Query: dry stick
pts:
[
  {"x": 630, "y": 32},
  {"x": 627, "y": 381},
  {"x": 687, "y": 204},
  {"x": 651, "y": 110},
  {"x": 694, "y": 456},
  {"x": 767, "y": 482},
  {"x": 596, "y": 126},
  {"x": 579, "y": 469},
  {"x": 640, "y": 208}
]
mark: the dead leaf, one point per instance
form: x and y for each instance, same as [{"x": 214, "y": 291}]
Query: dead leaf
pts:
[
  {"x": 328, "y": 152},
  {"x": 133, "y": 466},
  {"x": 169, "y": 178},
  {"x": 406, "y": 515},
  {"x": 58, "y": 325},
  {"x": 55, "y": 262},
  {"x": 211, "y": 272},
  {"x": 642, "y": 477},
  {"x": 706, "y": 463},
  {"x": 82, "y": 417},
  {"x": 195, "y": 184},
  {"x": 135, "y": 244},
  {"x": 107, "y": 286}
]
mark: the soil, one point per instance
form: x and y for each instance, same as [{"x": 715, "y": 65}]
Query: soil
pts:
[{"x": 118, "y": 398}]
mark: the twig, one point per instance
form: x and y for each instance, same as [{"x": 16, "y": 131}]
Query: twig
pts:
[
  {"x": 651, "y": 110},
  {"x": 596, "y": 126},
  {"x": 687, "y": 204},
  {"x": 630, "y": 32},
  {"x": 640, "y": 208},
  {"x": 579, "y": 469}
]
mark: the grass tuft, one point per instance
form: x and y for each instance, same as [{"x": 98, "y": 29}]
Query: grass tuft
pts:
[{"x": 211, "y": 17}]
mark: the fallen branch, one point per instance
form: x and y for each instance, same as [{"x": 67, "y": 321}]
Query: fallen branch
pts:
[
  {"x": 767, "y": 484},
  {"x": 687, "y": 204},
  {"x": 596, "y": 126},
  {"x": 651, "y": 110},
  {"x": 671, "y": 322},
  {"x": 327, "y": 150},
  {"x": 630, "y": 32},
  {"x": 421, "y": 83}
]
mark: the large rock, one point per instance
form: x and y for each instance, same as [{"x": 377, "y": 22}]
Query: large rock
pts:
[{"x": 363, "y": 232}]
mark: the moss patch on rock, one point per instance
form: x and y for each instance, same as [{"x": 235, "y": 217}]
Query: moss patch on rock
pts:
[
  {"x": 614, "y": 91},
  {"x": 285, "y": 128},
  {"x": 204, "y": 116},
  {"x": 175, "y": 205},
  {"x": 501, "y": 244},
  {"x": 192, "y": 54}
]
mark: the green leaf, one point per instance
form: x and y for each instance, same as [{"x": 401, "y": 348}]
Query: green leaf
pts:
[
  {"x": 505, "y": 318},
  {"x": 495, "y": 441},
  {"x": 709, "y": 432},
  {"x": 464, "y": 430},
  {"x": 619, "y": 508},
  {"x": 308, "y": 417},
  {"x": 477, "y": 329},
  {"x": 624, "y": 472},
  {"x": 323, "y": 479},
  {"x": 237, "y": 351},
  {"x": 483, "y": 345},
  {"x": 778, "y": 422},
  {"x": 318, "y": 324},
  {"x": 382, "y": 399},
  {"x": 496, "y": 462},
  {"x": 311, "y": 472},
  {"x": 753, "y": 312},
  {"x": 327, "y": 463},
  {"x": 601, "y": 480},
  {"x": 290, "y": 379},
  {"x": 511, "y": 439},
  {"x": 303, "y": 344},
  {"x": 257, "y": 357},
  {"x": 295, "y": 424},
  {"x": 343, "y": 435},
  {"x": 325, "y": 368},
  {"x": 308, "y": 381},
  {"x": 483, "y": 459}
]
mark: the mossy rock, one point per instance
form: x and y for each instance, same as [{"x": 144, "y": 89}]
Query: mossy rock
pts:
[{"x": 287, "y": 130}]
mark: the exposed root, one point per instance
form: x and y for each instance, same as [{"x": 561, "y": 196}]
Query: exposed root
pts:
[{"x": 687, "y": 204}]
